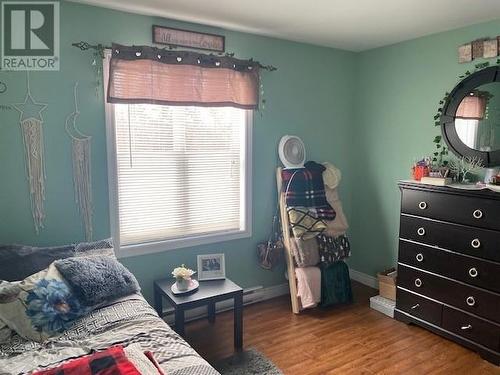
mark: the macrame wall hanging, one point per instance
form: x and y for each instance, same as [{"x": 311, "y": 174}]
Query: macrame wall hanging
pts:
[
  {"x": 31, "y": 122},
  {"x": 82, "y": 176}
]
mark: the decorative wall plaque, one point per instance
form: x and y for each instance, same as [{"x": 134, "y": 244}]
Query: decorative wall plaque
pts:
[
  {"x": 490, "y": 48},
  {"x": 477, "y": 48},
  {"x": 186, "y": 38},
  {"x": 480, "y": 48},
  {"x": 465, "y": 53}
]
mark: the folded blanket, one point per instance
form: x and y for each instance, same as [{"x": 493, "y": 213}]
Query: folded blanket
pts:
[
  {"x": 333, "y": 249},
  {"x": 308, "y": 286},
  {"x": 304, "y": 187},
  {"x": 335, "y": 284},
  {"x": 305, "y": 222},
  {"x": 339, "y": 225},
  {"x": 305, "y": 252},
  {"x": 115, "y": 360}
]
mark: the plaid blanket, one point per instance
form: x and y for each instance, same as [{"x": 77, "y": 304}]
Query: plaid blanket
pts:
[
  {"x": 304, "y": 187},
  {"x": 112, "y": 361}
]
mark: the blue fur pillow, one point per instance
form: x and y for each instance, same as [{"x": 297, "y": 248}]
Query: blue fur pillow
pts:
[{"x": 98, "y": 279}]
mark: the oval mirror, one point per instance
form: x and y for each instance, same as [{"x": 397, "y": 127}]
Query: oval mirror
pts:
[{"x": 470, "y": 120}]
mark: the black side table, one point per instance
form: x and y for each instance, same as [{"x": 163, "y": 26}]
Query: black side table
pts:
[{"x": 209, "y": 292}]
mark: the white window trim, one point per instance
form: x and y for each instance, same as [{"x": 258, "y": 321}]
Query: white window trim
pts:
[{"x": 176, "y": 243}]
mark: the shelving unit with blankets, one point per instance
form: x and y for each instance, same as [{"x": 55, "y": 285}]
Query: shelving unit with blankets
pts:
[
  {"x": 449, "y": 265},
  {"x": 314, "y": 235}
]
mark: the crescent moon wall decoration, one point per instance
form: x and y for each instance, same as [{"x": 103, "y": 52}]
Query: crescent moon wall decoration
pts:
[{"x": 82, "y": 175}]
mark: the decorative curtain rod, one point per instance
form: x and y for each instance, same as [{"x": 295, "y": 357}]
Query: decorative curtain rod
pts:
[{"x": 99, "y": 48}]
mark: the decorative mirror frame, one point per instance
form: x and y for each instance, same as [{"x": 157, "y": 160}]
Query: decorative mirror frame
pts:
[{"x": 447, "y": 120}]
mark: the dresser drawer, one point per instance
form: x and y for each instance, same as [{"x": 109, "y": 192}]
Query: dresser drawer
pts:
[
  {"x": 482, "y": 273},
  {"x": 479, "y": 212},
  {"x": 471, "y": 328},
  {"x": 477, "y": 242},
  {"x": 419, "y": 307},
  {"x": 474, "y": 300}
]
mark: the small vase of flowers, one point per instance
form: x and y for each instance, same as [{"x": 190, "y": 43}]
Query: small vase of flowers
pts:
[{"x": 182, "y": 276}]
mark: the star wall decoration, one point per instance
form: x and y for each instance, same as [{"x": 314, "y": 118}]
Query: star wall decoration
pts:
[
  {"x": 30, "y": 109},
  {"x": 31, "y": 125}
]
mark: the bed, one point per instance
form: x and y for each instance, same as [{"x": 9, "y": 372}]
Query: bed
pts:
[
  {"x": 124, "y": 321},
  {"x": 129, "y": 320}
]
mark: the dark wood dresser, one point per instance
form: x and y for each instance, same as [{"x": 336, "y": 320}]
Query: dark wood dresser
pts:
[{"x": 449, "y": 265}]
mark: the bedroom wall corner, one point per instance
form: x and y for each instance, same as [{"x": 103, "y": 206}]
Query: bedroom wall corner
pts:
[{"x": 398, "y": 92}]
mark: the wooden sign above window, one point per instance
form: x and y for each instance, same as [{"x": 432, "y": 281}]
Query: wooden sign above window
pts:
[{"x": 186, "y": 38}]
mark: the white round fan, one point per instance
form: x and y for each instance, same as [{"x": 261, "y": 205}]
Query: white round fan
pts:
[{"x": 292, "y": 151}]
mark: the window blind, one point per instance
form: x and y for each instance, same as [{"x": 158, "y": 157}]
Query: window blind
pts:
[{"x": 180, "y": 171}]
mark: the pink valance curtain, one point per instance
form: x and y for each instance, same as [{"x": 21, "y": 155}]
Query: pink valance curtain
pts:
[
  {"x": 472, "y": 108},
  {"x": 150, "y": 75}
]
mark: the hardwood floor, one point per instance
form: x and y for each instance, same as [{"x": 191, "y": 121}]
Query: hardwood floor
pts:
[{"x": 352, "y": 339}]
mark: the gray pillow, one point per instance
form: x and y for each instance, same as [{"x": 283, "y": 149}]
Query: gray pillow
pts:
[
  {"x": 97, "y": 279},
  {"x": 17, "y": 262}
]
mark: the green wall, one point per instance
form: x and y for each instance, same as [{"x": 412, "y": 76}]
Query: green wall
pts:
[
  {"x": 310, "y": 95},
  {"x": 397, "y": 93},
  {"x": 369, "y": 113}
]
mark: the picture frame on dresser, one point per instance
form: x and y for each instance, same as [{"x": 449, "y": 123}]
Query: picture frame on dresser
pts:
[{"x": 449, "y": 264}]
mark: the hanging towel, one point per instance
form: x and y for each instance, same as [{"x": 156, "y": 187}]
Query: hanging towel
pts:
[
  {"x": 335, "y": 284},
  {"x": 304, "y": 187},
  {"x": 331, "y": 175},
  {"x": 339, "y": 225},
  {"x": 333, "y": 249},
  {"x": 308, "y": 286},
  {"x": 305, "y": 222}
]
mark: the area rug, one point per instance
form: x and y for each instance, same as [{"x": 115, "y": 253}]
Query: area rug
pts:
[{"x": 249, "y": 362}]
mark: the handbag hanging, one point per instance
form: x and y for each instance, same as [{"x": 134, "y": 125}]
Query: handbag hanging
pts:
[{"x": 270, "y": 253}]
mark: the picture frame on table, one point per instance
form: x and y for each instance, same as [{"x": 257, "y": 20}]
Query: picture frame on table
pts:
[{"x": 211, "y": 267}]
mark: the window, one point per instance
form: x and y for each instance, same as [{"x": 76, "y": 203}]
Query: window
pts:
[
  {"x": 467, "y": 130},
  {"x": 179, "y": 176}
]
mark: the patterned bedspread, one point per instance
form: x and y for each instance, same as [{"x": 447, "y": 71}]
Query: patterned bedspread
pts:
[{"x": 129, "y": 320}]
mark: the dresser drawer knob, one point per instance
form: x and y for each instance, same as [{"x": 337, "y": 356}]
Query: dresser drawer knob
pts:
[
  {"x": 421, "y": 231},
  {"x": 478, "y": 214},
  {"x": 418, "y": 283},
  {"x": 475, "y": 243},
  {"x": 414, "y": 307},
  {"x": 473, "y": 272},
  {"x": 419, "y": 257},
  {"x": 422, "y": 205},
  {"x": 465, "y": 328},
  {"x": 470, "y": 301}
]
